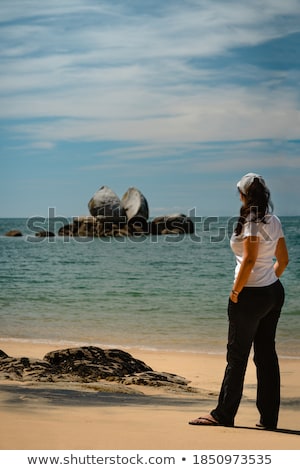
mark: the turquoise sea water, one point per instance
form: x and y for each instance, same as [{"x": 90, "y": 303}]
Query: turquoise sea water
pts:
[{"x": 164, "y": 292}]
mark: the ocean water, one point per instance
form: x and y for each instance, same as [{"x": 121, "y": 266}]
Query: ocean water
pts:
[{"x": 163, "y": 293}]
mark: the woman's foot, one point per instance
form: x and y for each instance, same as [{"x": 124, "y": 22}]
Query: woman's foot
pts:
[
  {"x": 207, "y": 420},
  {"x": 267, "y": 428}
]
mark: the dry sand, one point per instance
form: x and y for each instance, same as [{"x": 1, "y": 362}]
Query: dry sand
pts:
[{"x": 70, "y": 416}]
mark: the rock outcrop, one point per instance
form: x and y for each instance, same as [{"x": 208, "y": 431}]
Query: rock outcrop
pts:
[
  {"x": 172, "y": 224},
  {"x": 101, "y": 226},
  {"x": 105, "y": 202},
  {"x": 135, "y": 204},
  {"x": 86, "y": 365},
  {"x": 111, "y": 216}
]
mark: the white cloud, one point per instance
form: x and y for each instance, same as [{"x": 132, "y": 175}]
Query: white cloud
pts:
[
  {"x": 201, "y": 114},
  {"x": 97, "y": 71}
]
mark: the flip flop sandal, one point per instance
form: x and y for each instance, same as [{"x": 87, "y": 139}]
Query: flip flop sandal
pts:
[
  {"x": 201, "y": 421},
  {"x": 266, "y": 428}
]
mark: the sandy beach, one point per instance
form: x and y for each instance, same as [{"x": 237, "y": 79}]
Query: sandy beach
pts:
[{"x": 73, "y": 416}]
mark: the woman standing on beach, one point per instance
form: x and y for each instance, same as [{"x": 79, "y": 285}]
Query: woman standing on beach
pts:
[{"x": 254, "y": 307}]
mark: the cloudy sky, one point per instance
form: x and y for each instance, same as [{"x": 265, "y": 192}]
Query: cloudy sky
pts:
[{"x": 177, "y": 97}]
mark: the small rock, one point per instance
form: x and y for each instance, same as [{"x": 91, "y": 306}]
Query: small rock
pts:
[
  {"x": 14, "y": 233},
  {"x": 44, "y": 234}
]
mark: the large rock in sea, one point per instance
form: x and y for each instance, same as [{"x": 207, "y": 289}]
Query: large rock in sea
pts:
[
  {"x": 135, "y": 204},
  {"x": 112, "y": 217},
  {"x": 105, "y": 202}
]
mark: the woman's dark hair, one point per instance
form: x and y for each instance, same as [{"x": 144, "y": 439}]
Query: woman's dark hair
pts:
[{"x": 257, "y": 203}]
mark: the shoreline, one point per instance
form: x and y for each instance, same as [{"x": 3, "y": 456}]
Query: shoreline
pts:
[
  {"x": 76, "y": 416},
  {"x": 49, "y": 345}
]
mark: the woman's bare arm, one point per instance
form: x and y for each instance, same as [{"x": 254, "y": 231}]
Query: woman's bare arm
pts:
[
  {"x": 250, "y": 250},
  {"x": 282, "y": 257}
]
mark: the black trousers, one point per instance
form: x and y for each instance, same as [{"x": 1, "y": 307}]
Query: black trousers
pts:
[{"x": 253, "y": 320}]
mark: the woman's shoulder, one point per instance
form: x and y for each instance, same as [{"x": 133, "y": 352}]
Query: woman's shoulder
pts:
[
  {"x": 272, "y": 226},
  {"x": 273, "y": 219},
  {"x": 252, "y": 217},
  {"x": 269, "y": 228}
]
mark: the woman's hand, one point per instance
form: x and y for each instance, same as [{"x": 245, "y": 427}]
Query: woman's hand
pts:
[{"x": 234, "y": 296}]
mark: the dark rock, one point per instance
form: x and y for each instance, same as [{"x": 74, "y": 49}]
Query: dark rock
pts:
[
  {"x": 86, "y": 364},
  {"x": 99, "y": 226},
  {"x": 111, "y": 226},
  {"x": 84, "y": 226},
  {"x": 3, "y": 355},
  {"x": 95, "y": 362},
  {"x": 172, "y": 224},
  {"x": 20, "y": 368},
  {"x": 14, "y": 233},
  {"x": 84, "y": 219},
  {"x": 115, "y": 226},
  {"x": 68, "y": 230},
  {"x": 157, "y": 379},
  {"x": 44, "y": 234}
]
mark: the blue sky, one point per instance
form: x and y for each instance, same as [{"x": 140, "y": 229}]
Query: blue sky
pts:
[{"x": 177, "y": 98}]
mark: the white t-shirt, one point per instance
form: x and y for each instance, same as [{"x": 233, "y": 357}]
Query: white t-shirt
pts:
[{"x": 262, "y": 273}]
